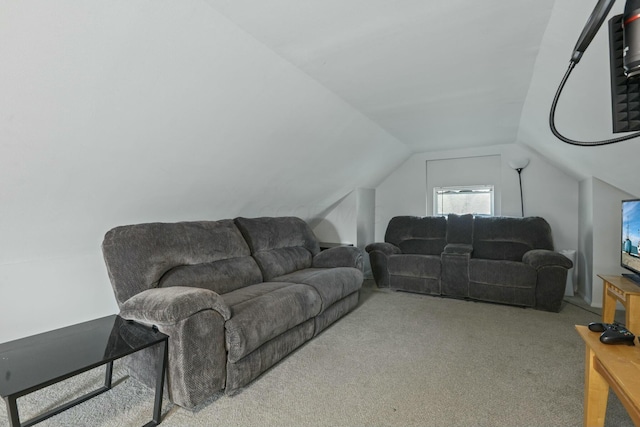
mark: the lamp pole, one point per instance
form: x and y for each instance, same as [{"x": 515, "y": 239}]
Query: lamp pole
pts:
[
  {"x": 519, "y": 170},
  {"x": 518, "y": 165}
]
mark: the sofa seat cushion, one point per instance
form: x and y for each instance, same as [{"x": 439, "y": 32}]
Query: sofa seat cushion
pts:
[
  {"x": 262, "y": 312},
  {"x": 414, "y": 265},
  {"x": 332, "y": 284},
  {"x": 506, "y": 282}
]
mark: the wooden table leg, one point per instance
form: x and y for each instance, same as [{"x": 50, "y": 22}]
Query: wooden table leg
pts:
[
  {"x": 596, "y": 393},
  {"x": 608, "y": 305},
  {"x": 632, "y": 323}
]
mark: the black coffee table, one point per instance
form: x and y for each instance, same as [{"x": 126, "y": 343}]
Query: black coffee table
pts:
[{"x": 35, "y": 362}]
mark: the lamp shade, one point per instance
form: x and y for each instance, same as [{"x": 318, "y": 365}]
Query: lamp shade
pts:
[{"x": 519, "y": 163}]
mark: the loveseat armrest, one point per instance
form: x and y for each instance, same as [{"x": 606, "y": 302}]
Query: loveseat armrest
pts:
[
  {"x": 339, "y": 256},
  {"x": 458, "y": 248},
  {"x": 378, "y": 256},
  {"x": 168, "y": 306},
  {"x": 383, "y": 247},
  {"x": 538, "y": 258}
]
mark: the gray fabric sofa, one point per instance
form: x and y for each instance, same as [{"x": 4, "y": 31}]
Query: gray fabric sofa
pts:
[
  {"x": 498, "y": 259},
  {"x": 234, "y": 296}
]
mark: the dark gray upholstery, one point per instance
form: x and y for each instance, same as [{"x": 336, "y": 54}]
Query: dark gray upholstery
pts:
[
  {"x": 258, "y": 320},
  {"x": 269, "y": 238},
  {"x": 417, "y": 273},
  {"x": 459, "y": 229},
  {"x": 250, "y": 367},
  {"x": 279, "y": 245},
  {"x": 343, "y": 282},
  {"x": 139, "y": 256},
  {"x": 418, "y": 235},
  {"x": 509, "y": 282},
  {"x": 234, "y": 296},
  {"x": 499, "y": 259}
]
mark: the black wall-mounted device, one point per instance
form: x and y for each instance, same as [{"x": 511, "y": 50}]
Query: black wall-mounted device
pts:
[
  {"x": 624, "y": 63},
  {"x": 625, "y": 92}
]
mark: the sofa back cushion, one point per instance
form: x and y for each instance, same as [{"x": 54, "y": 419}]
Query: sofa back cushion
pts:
[
  {"x": 280, "y": 245},
  {"x": 417, "y": 235},
  {"x": 460, "y": 229},
  {"x": 203, "y": 254},
  {"x": 505, "y": 238}
]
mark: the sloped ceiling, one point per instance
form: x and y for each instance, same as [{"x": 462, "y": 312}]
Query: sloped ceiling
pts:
[
  {"x": 456, "y": 73},
  {"x": 435, "y": 74},
  {"x": 137, "y": 111}
]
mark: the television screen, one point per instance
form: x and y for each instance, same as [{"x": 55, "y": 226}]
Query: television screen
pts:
[{"x": 630, "y": 235}]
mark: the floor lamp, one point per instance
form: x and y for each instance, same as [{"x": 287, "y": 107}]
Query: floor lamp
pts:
[{"x": 518, "y": 165}]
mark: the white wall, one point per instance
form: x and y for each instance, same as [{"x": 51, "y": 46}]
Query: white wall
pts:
[
  {"x": 585, "y": 245},
  {"x": 548, "y": 191},
  {"x": 366, "y": 204},
  {"x": 338, "y": 224},
  {"x": 133, "y": 111},
  {"x": 350, "y": 221},
  {"x": 600, "y": 236}
]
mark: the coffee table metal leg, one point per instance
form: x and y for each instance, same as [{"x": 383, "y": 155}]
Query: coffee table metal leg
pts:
[
  {"x": 12, "y": 412},
  {"x": 161, "y": 370},
  {"x": 108, "y": 376}
]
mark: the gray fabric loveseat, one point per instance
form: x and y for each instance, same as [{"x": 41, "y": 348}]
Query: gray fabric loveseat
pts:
[
  {"x": 234, "y": 296},
  {"x": 498, "y": 259}
]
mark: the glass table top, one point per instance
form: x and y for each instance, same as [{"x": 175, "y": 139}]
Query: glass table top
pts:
[{"x": 40, "y": 360}]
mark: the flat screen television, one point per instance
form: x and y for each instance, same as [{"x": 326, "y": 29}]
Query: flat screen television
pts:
[{"x": 630, "y": 231}]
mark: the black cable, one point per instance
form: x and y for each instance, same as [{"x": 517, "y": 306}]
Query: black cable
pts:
[
  {"x": 552, "y": 114},
  {"x": 581, "y": 307}
]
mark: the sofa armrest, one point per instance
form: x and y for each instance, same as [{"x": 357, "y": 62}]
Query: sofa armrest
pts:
[
  {"x": 339, "y": 256},
  {"x": 458, "y": 249},
  {"x": 167, "y": 306},
  {"x": 539, "y": 258},
  {"x": 383, "y": 247},
  {"x": 378, "y": 256}
]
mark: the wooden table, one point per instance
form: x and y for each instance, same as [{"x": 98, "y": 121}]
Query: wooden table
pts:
[
  {"x": 619, "y": 288},
  {"x": 606, "y": 365}
]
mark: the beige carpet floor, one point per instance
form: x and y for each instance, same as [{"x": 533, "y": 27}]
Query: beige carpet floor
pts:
[{"x": 398, "y": 359}]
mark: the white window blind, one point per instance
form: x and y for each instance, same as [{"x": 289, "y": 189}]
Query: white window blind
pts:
[{"x": 471, "y": 199}]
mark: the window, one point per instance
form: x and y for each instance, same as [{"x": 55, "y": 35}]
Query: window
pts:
[{"x": 473, "y": 199}]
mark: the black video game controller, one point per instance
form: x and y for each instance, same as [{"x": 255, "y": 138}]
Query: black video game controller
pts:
[
  {"x": 612, "y": 333},
  {"x": 598, "y": 327}
]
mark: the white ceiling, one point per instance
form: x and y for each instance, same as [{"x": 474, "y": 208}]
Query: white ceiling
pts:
[
  {"x": 436, "y": 75},
  {"x": 455, "y": 74}
]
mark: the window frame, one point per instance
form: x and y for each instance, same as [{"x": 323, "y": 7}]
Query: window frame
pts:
[{"x": 440, "y": 191}]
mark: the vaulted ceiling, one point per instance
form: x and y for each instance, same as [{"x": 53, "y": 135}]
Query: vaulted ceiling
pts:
[
  {"x": 435, "y": 74},
  {"x": 456, "y": 73}
]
